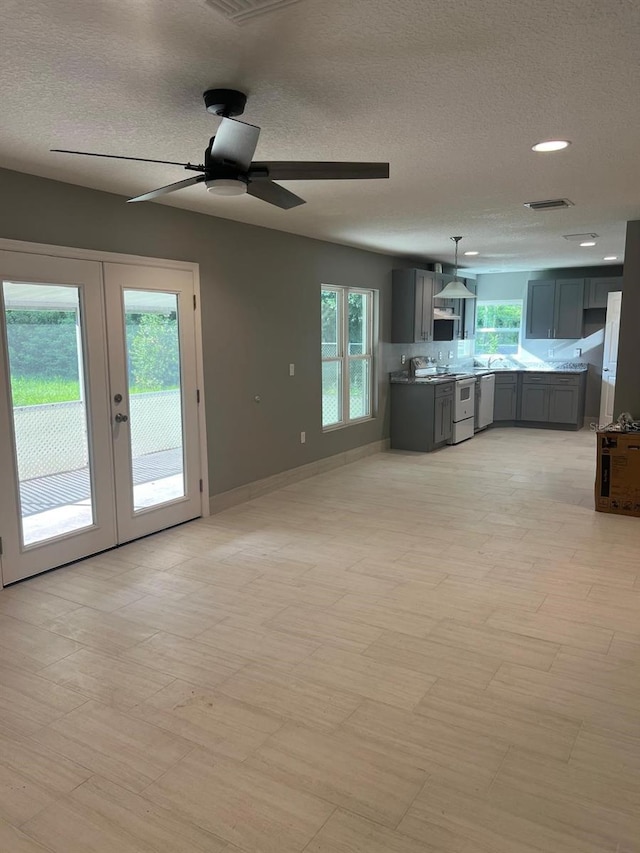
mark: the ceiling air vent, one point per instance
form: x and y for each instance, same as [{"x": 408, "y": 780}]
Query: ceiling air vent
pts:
[
  {"x": 240, "y": 11},
  {"x": 549, "y": 204},
  {"x": 580, "y": 238}
]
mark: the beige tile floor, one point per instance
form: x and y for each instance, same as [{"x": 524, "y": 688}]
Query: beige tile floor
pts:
[{"x": 411, "y": 654}]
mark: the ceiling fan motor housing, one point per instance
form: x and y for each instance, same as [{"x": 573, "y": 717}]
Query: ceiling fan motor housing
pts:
[
  {"x": 225, "y": 102},
  {"x": 226, "y": 186}
]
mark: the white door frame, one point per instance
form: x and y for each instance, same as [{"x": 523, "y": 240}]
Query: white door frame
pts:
[
  {"x": 140, "y": 260},
  {"x": 86, "y": 536},
  {"x": 610, "y": 358}
]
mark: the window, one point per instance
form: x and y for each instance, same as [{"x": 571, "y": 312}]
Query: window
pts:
[
  {"x": 347, "y": 355},
  {"x": 498, "y": 326}
]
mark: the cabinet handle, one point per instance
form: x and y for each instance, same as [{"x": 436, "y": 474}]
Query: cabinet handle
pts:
[{"x": 548, "y": 333}]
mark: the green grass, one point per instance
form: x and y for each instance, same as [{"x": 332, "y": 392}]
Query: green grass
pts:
[{"x": 34, "y": 390}]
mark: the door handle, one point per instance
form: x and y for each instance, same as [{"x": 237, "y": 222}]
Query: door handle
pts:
[
  {"x": 121, "y": 419},
  {"x": 605, "y": 369}
]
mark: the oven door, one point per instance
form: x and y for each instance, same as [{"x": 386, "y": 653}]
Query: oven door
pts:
[{"x": 465, "y": 399}]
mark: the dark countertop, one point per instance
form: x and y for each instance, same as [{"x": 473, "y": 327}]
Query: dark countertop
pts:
[{"x": 401, "y": 377}]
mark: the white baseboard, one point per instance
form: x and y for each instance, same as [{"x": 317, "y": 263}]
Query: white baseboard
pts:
[{"x": 233, "y": 497}]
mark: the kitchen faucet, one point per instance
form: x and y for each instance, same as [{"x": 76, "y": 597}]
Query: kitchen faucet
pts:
[{"x": 491, "y": 358}]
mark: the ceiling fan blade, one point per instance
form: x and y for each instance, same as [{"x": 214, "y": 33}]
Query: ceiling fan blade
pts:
[
  {"x": 274, "y": 194},
  {"x": 118, "y": 157},
  {"x": 303, "y": 171},
  {"x": 235, "y": 143},
  {"x": 170, "y": 188}
]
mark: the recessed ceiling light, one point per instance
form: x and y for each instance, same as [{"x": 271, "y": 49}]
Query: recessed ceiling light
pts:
[
  {"x": 610, "y": 258},
  {"x": 472, "y": 253},
  {"x": 588, "y": 243},
  {"x": 551, "y": 145}
]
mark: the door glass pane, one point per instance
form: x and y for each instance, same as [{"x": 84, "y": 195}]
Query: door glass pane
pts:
[
  {"x": 330, "y": 324},
  {"x": 359, "y": 388},
  {"x": 44, "y": 338},
  {"x": 331, "y": 392},
  {"x": 358, "y": 324},
  {"x": 155, "y": 397}
]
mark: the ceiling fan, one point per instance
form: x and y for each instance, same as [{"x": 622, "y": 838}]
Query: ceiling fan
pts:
[{"x": 228, "y": 168}]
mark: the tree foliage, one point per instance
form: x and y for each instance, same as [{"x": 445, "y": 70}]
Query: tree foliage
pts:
[
  {"x": 43, "y": 344},
  {"x": 154, "y": 352}
]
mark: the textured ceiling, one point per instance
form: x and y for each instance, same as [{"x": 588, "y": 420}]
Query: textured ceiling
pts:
[{"x": 452, "y": 92}]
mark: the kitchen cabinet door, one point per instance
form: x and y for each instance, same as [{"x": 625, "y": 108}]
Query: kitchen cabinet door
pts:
[
  {"x": 504, "y": 402},
  {"x": 469, "y": 328},
  {"x": 534, "y": 403},
  {"x": 540, "y": 308},
  {"x": 563, "y": 405},
  {"x": 568, "y": 319},
  {"x": 598, "y": 289},
  {"x": 412, "y": 306},
  {"x": 442, "y": 425}
]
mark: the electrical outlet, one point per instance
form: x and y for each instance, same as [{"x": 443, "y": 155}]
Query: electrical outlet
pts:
[
  {"x": 292, "y": 370},
  {"x": 577, "y": 352},
  {"x": 303, "y": 437},
  {"x": 450, "y": 353}
]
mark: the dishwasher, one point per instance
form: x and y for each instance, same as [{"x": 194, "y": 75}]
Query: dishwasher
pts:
[{"x": 485, "y": 389}]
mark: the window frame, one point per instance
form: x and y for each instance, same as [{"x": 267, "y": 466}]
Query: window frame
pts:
[
  {"x": 520, "y": 302},
  {"x": 344, "y": 358}
]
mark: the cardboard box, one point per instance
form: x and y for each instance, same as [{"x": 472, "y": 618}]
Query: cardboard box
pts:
[{"x": 618, "y": 473}]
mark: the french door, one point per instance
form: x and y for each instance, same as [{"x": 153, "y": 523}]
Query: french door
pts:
[{"x": 99, "y": 427}]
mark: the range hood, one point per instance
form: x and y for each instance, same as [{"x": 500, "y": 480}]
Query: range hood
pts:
[{"x": 445, "y": 314}]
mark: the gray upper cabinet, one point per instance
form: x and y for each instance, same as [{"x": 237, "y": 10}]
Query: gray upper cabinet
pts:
[
  {"x": 412, "y": 306},
  {"x": 469, "y": 308},
  {"x": 568, "y": 320},
  {"x": 596, "y": 290},
  {"x": 540, "y": 308},
  {"x": 554, "y": 308}
]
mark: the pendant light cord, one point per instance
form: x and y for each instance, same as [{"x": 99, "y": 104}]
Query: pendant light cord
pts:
[{"x": 456, "y": 240}]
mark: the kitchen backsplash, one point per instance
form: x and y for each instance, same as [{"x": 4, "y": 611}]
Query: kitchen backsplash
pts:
[{"x": 462, "y": 354}]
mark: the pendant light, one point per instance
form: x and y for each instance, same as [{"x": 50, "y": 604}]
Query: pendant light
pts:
[{"x": 455, "y": 289}]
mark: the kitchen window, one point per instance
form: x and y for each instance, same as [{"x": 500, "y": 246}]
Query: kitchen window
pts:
[
  {"x": 348, "y": 324},
  {"x": 498, "y": 325}
]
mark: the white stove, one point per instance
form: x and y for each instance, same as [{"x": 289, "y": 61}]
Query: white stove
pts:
[{"x": 464, "y": 404}]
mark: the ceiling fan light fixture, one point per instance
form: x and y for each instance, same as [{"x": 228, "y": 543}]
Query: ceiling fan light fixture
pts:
[
  {"x": 226, "y": 186},
  {"x": 455, "y": 289}
]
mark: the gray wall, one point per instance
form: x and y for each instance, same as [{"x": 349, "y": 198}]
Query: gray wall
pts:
[
  {"x": 514, "y": 286},
  {"x": 260, "y": 311},
  {"x": 628, "y": 376}
]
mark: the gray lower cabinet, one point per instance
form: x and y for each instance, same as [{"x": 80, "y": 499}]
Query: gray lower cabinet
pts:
[
  {"x": 534, "y": 405},
  {"x": 505, "y": 400},
  {"x": 442, "y": 427},
  {"x": 557, "y": 400},
  {"x": 421, "y": 415},
  {"x": 563, "y": 405}
]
